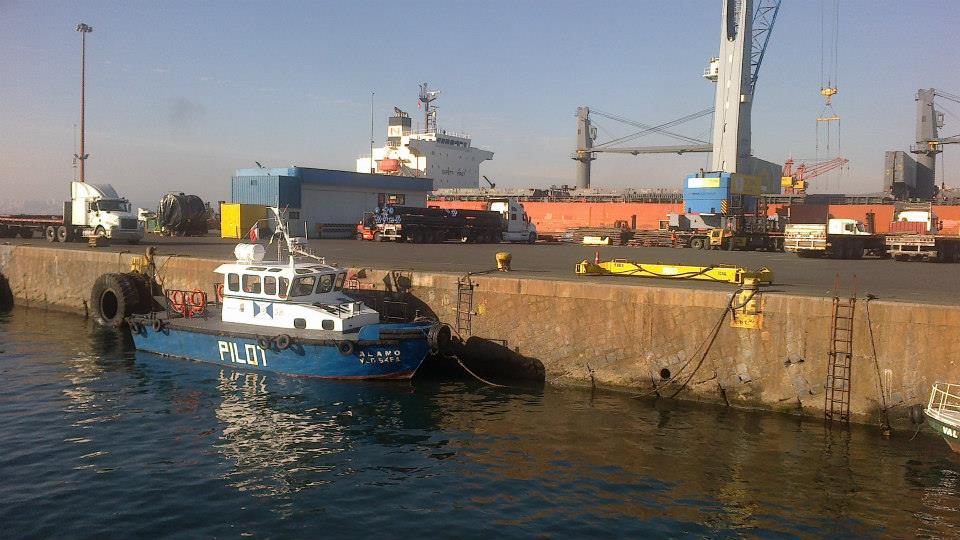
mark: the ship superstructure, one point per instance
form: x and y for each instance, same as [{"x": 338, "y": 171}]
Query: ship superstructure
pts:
[{"x": 448, "y": 158}]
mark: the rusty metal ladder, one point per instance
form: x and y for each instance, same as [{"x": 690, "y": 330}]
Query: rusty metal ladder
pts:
[
  {"x": 465, "y": 306},
  {"x": 836, "y": 404}
]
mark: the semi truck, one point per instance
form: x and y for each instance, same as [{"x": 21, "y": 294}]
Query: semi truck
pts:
[
  {"x": 838, "y": 238},
  {"x": 915, "y": 234},
  {"x": 93, "y": 210},
  {"x": 503, "y": 220}
]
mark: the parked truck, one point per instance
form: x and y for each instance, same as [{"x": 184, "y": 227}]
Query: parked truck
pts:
[
  {"x": 503, "y": 220},
  {"x": 838, "y": 238},
  {"x": 915, "y": 234},
  {"x": 718, "y": 231},
  {"x": 93, "y": 210}
]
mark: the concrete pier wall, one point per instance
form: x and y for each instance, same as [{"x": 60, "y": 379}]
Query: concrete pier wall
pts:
[{"x": 623, "y": 337}]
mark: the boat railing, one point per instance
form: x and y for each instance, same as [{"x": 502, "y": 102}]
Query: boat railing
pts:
[{"x": 944, "y": 397}]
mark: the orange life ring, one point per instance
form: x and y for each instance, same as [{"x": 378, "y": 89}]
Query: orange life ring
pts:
[
  {"x": 218, "y": 289},
  {"x": 198, "y": 302}
]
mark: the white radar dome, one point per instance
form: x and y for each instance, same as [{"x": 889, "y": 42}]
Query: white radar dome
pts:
[{"x": 249, "y": 252}]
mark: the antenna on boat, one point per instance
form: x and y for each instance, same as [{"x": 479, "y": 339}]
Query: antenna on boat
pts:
[{"x": 296, "y": 246}]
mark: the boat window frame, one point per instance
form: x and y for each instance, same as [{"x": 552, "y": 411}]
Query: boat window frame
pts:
[
  {"x": 341, "y": 279},
  {"x": 233, "y": 282},
  {"x": 323, "y": 288},
  {"x": 245, "y": 286},
  {"x": 271, "y": 282},
  {"x": 299, "y": 279}
]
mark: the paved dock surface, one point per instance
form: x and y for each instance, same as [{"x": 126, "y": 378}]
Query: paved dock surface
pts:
[{"x": 887, "y": 279}]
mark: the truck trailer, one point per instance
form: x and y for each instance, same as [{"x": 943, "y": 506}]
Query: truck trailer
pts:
[
  {"x": 837, "y": 239},
  {"x": 93, "y": 210},
  {"x": 504, "y": 220},
  {"x": 915, "y": 235}
]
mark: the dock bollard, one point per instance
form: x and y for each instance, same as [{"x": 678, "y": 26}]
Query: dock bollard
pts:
[{"x": 503, "y": 261}]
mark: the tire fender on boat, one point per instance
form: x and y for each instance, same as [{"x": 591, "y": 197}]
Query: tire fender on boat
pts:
[
  {"x": 282, "y": 342},
  {"x": 157, "y": 325},
  {"x": 346, "y": 348},
  {"x": 263, "y": 342}
]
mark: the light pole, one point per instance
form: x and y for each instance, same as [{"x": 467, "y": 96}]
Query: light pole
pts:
[
  {"x": 372, "y": 166},
  {"x": 84, "y": 29}
]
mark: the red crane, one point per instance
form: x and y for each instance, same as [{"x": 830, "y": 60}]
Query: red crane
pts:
[{"x": 795, "y": 181}]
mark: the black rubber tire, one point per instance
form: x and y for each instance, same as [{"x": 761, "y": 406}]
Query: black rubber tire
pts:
[
  {"x": 157, "y": 325},
  {"x": 100, "y": 231},
  {"x": 697, "y": 243},
  {"x": 377, "y": 237},
  {"x": 50, "y": 233},
  {"x": 264, "y": 343},
  {"x": 282, "y": 342},
  {"x": 439, "y": 337},
  {"x": 346, "y": 348},
  {"x": 532, "y": 239},
  {"x": 112, "y": 299},
  {"x": 141, "y": 284},
  {"x": 358, "y": 236},
  {"x": 63, "y": 234}
]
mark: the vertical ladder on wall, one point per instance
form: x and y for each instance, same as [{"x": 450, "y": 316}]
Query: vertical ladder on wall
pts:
[
  {"x": 465, "y": 307},
  {"x": 840, "y": 360}
]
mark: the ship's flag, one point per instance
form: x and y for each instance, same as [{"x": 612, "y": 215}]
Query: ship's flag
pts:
[{"x": 253, "y": 233}]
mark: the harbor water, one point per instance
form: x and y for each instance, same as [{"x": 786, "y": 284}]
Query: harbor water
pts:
[{"x": 99, "y": 441}]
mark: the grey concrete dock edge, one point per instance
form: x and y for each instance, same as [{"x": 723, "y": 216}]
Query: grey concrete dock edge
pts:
[{"x": 617, "y": 336}]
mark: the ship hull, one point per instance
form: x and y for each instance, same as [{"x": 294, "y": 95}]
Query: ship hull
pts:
[{"x": 362, "y": 356}]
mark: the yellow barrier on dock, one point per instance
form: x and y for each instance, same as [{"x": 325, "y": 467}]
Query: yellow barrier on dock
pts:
[
  {"x": 718, "y": 272},
  {"x": 237, "y": 219}
]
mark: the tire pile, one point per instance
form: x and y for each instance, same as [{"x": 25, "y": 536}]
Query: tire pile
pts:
[{"x": 116, "y": 296}]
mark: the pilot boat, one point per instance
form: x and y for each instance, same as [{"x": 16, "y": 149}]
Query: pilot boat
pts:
[{"x": 290, "y": 317}]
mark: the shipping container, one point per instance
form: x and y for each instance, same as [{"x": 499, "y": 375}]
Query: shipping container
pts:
[{"x": 236, "y": 220}]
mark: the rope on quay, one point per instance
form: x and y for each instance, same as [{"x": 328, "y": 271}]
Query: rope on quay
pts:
[
  {"x": 706, "y": 345},
  {"x": 884, "y": 417}
]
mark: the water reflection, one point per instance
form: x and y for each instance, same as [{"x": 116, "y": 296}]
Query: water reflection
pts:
[{"x": 85, "y": 414}]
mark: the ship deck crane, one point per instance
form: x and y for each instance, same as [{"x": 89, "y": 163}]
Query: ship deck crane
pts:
[
  {"x": 746, "y": 29},
  {"x": 928, "y": 141},
  {"x": 795, "y": 181}
]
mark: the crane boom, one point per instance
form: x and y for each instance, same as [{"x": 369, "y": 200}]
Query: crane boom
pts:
[{"x": 795, "y": 181}]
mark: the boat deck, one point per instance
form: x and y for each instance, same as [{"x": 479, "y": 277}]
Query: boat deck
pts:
[{"x": 947, "y": 416}]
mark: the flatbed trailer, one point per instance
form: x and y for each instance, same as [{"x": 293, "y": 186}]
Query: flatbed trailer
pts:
[
  {"x": 711, "y": 239},
  {"x": 928, "y": 247},
  {"x": 58, "y": 228}
]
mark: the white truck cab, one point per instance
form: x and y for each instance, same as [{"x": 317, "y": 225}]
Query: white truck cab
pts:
[
  {"x": 519, "y": 226},
  {"x": 98, "y": 211},
  {"x": 846, "y": 226}
]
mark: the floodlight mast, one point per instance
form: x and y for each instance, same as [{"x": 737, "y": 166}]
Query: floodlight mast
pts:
[{"x": 84, "y": 29}]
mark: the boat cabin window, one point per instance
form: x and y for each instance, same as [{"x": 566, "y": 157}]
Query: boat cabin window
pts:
[
  {"x": 326, "y": 283},
  {"x": 270, "y": 285},
  {"x": 251, "y": 283},
  {"x": 274, "y": 270},
  {"x": 341, "y": 277},
  {"x": 284, "y": 285},
  {"x": 303, "y": 285},
  {"x": 233, "y": 282}
]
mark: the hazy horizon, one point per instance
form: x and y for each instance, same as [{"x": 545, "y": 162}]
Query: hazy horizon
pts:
[{"x": 181, "y": 94}]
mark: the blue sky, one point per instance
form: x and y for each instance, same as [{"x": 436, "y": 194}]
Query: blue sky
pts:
[{"x": 180, "y": 94}]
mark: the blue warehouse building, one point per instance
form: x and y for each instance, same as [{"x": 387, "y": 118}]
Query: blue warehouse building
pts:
[{"x": 326, "y": 202}]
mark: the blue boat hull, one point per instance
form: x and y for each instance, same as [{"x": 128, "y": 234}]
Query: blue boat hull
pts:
[{"x": 366, "y": 358}]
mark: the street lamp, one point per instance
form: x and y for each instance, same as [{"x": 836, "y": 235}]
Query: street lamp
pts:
[{"x": 84, "y": 29}]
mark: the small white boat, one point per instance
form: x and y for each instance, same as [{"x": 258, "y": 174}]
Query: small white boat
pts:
[{"x": 943, "y": 413}]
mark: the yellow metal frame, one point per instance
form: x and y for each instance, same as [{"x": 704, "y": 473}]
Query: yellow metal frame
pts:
[{"x": 723, "y": 273}]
